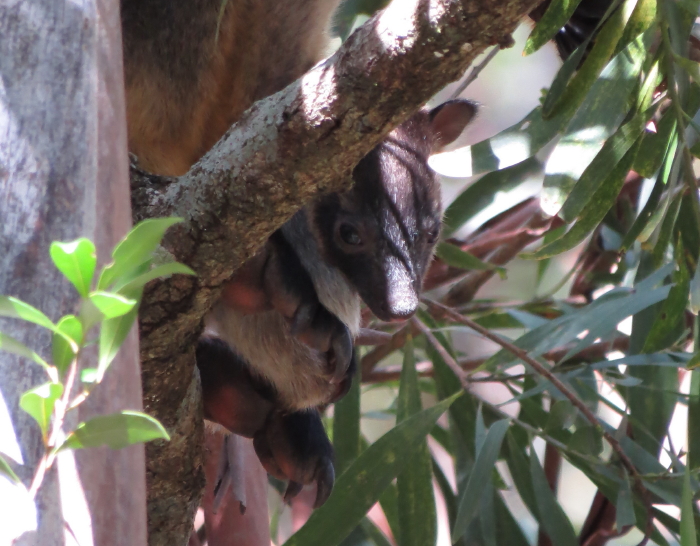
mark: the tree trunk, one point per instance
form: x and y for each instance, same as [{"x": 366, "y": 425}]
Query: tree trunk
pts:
[{"x": 63, "y": 174}]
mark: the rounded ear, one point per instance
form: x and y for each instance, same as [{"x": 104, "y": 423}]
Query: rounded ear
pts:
[{"x": 448, "y": 121}]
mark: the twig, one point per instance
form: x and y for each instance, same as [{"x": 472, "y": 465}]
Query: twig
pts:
[
  {"x": 60, "y": 408},
  {"x": 447, "y": 357},
  {"x": 425, "y": 369},
  {"x": 442, "y": 310},
  {"x": 475, "y": 72}
]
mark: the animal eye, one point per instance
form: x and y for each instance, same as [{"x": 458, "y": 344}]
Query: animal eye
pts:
[{"x": 349, "y": 235}]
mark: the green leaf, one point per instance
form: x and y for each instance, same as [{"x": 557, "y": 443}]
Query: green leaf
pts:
[
  {"x": 359, "y": 487},
  {"x": 11, "y": 345},
  {"x": 116, "y": 431},
  {"x": 6, "y": 470},
  {"x": 694, "y": 291},
  {"x": 552, "y": 519},
  {"x": 688, "y": 537},
  {"x": 163, "y": 270},
  {"x": 88, "y": 375},
  {"x": 599, "y": 317},
  {"x": 604, "y": 107},
  {"x": 691, "y": 67},
  {"x": 556, "y": 16},
  {"x": 595, "y": 210},
  {"x": 389, "y": 501},
  {"x": 650, "y": 208},
  {"x": 669, "y": 320},
  {"x": 485, "y": 191},
  {"x": 655, "y": 146},
  {"x": 62, "y": 351},
  {"x": 374, "y": 533},
  {"x": 14, "y": 308},
  {"x": 346, "y": 426},
  {"x": 76, "y": 260},
  {"x": 570, "y": 85},
  {"x": 586, "y": 440},
  {"x": 113, "y": 332},
  {"x": 613, "y": 154},
  {"x": 694, "y": 411},
  {"x": 39, "y": 403},
  {"x": 479, "y": 476},
  {"x": 135, "y": 248},
  {"x": 416, "y": 503},
  {"x": 112, "y": 305},
  {"x": 624, "y": 508},
  {"x": 456, "y": 257},
  {"x": 519, "y": 468}
]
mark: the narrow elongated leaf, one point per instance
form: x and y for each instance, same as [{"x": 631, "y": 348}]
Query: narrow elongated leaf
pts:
[
  {"x": 76, "y": 260},
  {"x": 11, "y": 345},
  {"x": 116, "y": 431},
  {"x": 372, "y": 531},
  {"x": 487, "y": 515},
  {"x": 571, "y": 87},
  {"x": 614, "y": 153},
  {"x": 624, "y": 508},
  {"x": 650, "y": 207},
  {"x": 599, "y": 116},
  {"x": 346, "y": 426},
  {"x": 14, "y": 308},
  {"x": 479, "y": 476},
  {"x": 112, "y": 305},
  {"x": 484, "y": 191},
  {"x": 688, "y": 537},
  {"x": 389, "y": 501},
  {"x": 669, "y": 320},
  {"x": 63, "y": 352},
  {"x": 599, "y": 318},
  {"x": 417, "y": 517},
  {"x": 519, "y": 468},
  {"x": 655, "y": 145},
  {"x": 163, "y": 270},
  {"x": 691, "y": 67},
  {"x": 596, "y": 208},
  {"x": 455, "y": 257},
  {"x": 39, "y": 403},
  {"x": 694, "y": 415},
  {"x": 359, "y": 487},
  {"x": 569, "y": 70},
  {"x": 135, "y": 248},
  {"x": 113, "y": 332},
  {"x": 557, "y": 14},
  {"x": 6, "y": 470},
  {"x": 552, "y": 518}
]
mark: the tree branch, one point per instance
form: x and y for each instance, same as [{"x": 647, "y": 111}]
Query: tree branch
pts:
[{"x": 283, "y": 152}]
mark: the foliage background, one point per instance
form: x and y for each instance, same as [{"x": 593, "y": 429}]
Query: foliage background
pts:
[{"x": 618, "y": 287}]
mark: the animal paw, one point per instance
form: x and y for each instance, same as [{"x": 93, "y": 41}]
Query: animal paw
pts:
[
  {"x": 325, "y": 333},
  {"x": 294, "y": 447}
]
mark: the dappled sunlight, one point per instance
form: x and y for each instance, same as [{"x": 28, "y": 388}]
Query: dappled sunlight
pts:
[{"x": 76, "y": 512}]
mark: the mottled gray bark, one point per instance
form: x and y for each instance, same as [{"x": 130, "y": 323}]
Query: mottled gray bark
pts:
[{"x": 63, "y": 175}]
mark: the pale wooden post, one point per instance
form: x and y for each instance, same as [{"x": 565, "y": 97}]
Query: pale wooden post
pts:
[{"x": 63, "y": 174}]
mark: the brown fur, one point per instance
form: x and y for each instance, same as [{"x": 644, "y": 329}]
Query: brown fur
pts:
[{"x": 185, "y": 86}]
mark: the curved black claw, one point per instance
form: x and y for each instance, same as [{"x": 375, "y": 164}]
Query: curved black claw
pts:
[
  {"x": 293, "y": 489},
  {"x": 294, "y": 447},
  {"x": 325, "y": 478}
]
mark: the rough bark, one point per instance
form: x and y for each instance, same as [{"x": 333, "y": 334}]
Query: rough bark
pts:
[
  {"x": 286, "y": 150},
  {"x": 62, "y": 176}
]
